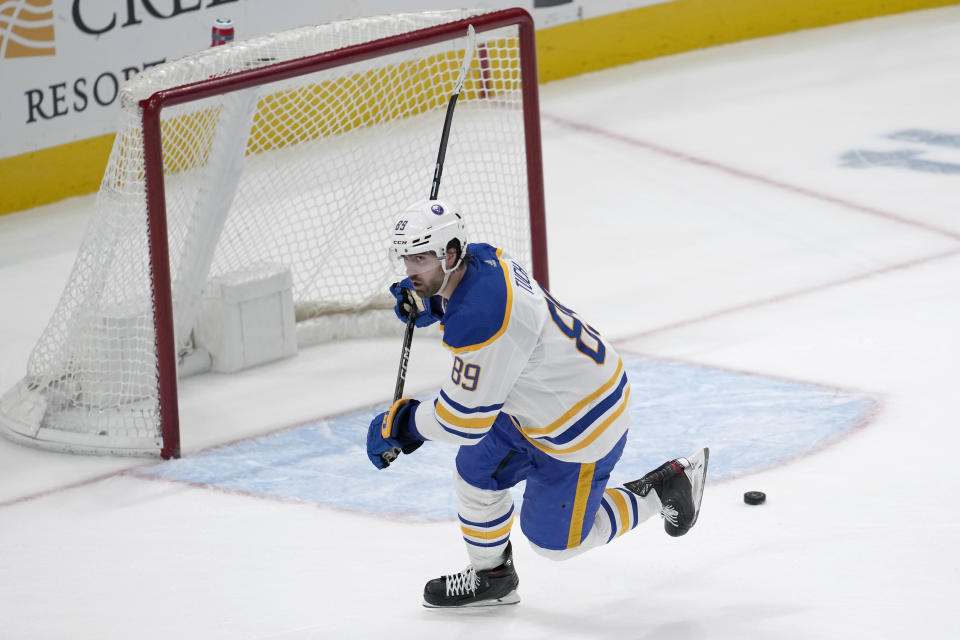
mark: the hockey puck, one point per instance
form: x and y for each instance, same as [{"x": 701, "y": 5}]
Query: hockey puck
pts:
[{"x": 754, "y": 497}]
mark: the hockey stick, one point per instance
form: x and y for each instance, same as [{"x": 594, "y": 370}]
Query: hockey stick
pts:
[
  {"x": 389, "y": 456},
  {"x": 467, "y": 59},
  {"x": 405, "y": 352}
]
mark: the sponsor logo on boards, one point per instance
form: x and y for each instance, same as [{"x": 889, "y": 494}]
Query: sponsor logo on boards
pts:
[{"x": 26, "y": 29}]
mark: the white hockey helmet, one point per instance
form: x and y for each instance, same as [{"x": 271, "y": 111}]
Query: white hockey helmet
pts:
[{"x": 428, "y": 226}]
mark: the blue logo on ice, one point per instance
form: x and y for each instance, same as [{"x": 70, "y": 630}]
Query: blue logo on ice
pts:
[{"x": 748, "y": 421}]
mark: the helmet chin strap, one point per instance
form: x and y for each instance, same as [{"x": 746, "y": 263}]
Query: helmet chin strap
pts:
[
  {"x": 443, "y": 285},
  {"x": 447, "y": 274}
]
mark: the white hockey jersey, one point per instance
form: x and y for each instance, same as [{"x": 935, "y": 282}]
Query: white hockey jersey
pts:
[{"x": 519, "y": 351}]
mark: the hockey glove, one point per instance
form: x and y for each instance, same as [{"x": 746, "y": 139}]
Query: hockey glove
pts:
[
  {"x": 393, "y": 429},
  {"x": 406, "y": 302}
]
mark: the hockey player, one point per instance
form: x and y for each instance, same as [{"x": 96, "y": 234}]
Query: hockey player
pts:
[{"x": 534, "y": 393}]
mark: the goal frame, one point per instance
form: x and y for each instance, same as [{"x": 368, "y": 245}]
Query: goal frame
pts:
[{"x": 152, "y": 107}]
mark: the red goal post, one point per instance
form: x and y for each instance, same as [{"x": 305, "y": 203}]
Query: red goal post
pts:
[{"x": 214, "y": 200}]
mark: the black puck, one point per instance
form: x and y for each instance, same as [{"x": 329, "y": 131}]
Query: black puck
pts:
[{"x": 754, "y": 497}]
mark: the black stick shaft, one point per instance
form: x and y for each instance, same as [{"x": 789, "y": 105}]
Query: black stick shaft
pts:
[
  {"x": 441, "y": 155},
  {"x": 389, "y": 456},
  {"x": 404, "y": 356}
]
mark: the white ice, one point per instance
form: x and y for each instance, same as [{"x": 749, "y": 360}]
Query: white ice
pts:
[{"x": 698, "y": 210}]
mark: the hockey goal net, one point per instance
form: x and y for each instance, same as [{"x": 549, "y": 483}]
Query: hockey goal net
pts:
[{"x": 289, "y": 155}]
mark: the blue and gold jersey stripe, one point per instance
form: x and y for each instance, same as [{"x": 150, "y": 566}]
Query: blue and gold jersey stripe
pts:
[
  {"x": 573, "y": 431},
  {"x": 562, "y": 421},
  {"x": 463, "y": 421},
  {"x": 585, "y": 422},
  {"x": 452, "y": 420},
  {"x": 453, "y": 404},
  {"x": 591, "y": 436}
]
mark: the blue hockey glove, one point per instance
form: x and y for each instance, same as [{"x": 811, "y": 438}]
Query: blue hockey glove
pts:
[
  {"x": 393, "y": 429},
  {"x": 403, "y": 292}
]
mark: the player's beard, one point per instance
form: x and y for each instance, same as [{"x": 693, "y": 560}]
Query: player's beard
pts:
[{"x": 428, "y": 284}]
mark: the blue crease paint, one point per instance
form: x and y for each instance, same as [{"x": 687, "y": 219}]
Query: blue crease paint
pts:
[{"x": 748, "y": 421}]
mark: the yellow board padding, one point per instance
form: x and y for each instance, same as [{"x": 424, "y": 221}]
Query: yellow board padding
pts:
[
  {"x": 76, "y": 168},
  {"x": 48, "y": 175},
  {"x": 684, "y": 25}
]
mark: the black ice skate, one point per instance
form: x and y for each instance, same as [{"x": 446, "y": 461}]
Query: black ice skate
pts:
[
  {"x": 679, "y": 483},
  {"x": 472, "y": 588}
]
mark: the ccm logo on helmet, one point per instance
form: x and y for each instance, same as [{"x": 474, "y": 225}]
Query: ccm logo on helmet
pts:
[{"x": 437, "y": 209}]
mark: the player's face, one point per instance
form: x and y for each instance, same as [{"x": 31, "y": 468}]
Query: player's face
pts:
[{"x": 425, "y": 273}]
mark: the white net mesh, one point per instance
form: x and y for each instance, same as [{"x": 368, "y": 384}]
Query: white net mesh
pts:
[{"x": 306, "y": 173}]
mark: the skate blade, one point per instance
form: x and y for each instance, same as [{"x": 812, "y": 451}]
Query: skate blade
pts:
[
  {"x": 511, "y": 598},
  {"x": 698, "y": 478}
]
